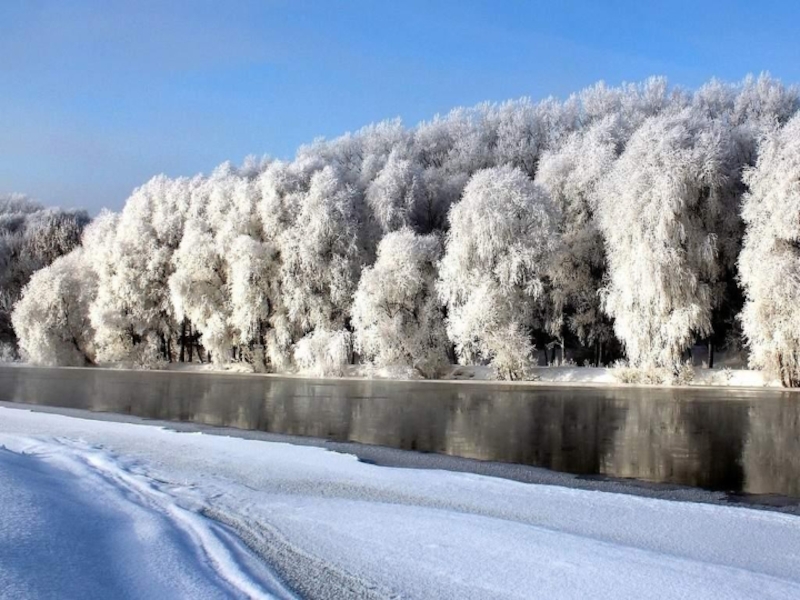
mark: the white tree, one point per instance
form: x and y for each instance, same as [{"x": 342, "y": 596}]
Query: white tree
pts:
[
  {"x": 571, "y": 176},
  {"x": 133, "y": 313},
  {"x": 323, "y": 352},
  {"x": 749, "y": 109},
  {"x": 392, "y": 195},
  {"x": 254, "y": 294},
  {"x": 314, "y": 248},
  {"x": 770, "y": 260},
  {"x": 221, "y": 281},
  {"x": 763, "y": 102},
  {"x": 525, "y": 130},
  {"x": 322, "y": 254},
  {"x": 52, "y": 317},
  {"x": 631, "y": 103},
  {"x": 502, "y": 233},
  {"x": 31, "y": 237},
  {"x": 396, "y": 312},
  {"x": 661, "y": 210},
  {"x": 279, "y": 188},
  {"x": 198, "y": 288}
]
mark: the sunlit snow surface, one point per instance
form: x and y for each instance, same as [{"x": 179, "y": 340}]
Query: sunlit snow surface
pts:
[{"x": 96, "y": 509}]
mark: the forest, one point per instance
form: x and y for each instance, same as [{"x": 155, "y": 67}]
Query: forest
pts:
[{"x": 625, "y": 223}]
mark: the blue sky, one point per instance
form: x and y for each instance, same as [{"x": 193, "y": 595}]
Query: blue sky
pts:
[{"x": 97, "y": 96}]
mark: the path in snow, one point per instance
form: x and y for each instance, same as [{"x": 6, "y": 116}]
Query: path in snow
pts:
[
  {"x": 72, "y": 528},
  {"x": 334, "y": 527}
]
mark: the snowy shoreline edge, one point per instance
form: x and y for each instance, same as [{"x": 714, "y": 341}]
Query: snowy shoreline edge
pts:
[{"x": 604, "y": 377}]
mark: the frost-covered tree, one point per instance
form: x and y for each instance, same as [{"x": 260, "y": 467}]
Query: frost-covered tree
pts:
[
  {"x": 31, "y": 237},
  {"x": 630, "y": 103},
  {"x": 393, "y": 194},
  {"x": 279, "y": 188},
  {"x": 571, "y": 176},
  {"x": 223, "y": 267},
  {"x": 396, "y": 312},
  {"x": 133, "y": 313},
  {"x": 502, "y": 233},
  {"x": 770, "y": 260},
  {"x": 762, "y": 102},
  {"x": 322, "y": 254},
  {"x": 52, "y": 317},
  {"x": 748, "y": 110},
  {"x": 198, "y": 288},
  {"x": 262, "y": 263},
  {"x": 662, "y": 210},
  {"x": 526, "y": 129},
  {"x": 323, "y": 352}
]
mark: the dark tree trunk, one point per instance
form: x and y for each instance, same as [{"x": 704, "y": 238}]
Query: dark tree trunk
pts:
[
  {"x": 183, "y": 340},
  {"x": 787, "y": 380},
  {"x": 191, "y": 343},
  {"x": 710, "y": 354}
]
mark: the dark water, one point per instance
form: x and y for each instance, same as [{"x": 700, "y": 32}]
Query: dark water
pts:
[{"x": 728, "y": 440}]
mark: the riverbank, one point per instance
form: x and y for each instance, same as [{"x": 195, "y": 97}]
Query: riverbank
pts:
[
  {"x": 331, "y": 526},
  {"x": 539, "y": 376}
]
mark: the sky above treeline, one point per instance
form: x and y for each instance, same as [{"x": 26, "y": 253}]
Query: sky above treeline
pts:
[{"x": 97, "y": 96}]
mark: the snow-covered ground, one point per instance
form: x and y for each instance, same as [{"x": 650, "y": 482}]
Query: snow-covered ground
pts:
[
  {"x": 557, "y": 374},
  {"x": 93, "y": 507}
]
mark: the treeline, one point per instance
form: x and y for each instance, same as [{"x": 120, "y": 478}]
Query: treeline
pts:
[{"x": 636, "y": 220}]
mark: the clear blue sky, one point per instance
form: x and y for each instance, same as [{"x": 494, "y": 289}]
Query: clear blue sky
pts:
[{"x": 97, "y": 96}]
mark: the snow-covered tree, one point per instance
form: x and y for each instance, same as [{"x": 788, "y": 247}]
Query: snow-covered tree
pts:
[
  {"x": 571, "y": 176},
  {"x": 770, "y": 260},
  {"x": 526, "y": 129},
  {"x": 133, "y": 313},
  {"x": 52, "y": 317},
  {"x": 198, "y": 288},
  {"x": 392, "y": 195},
  {"x": 324, "y": 352},
  {"x": 502, "y": 233},
  {"x": 322, "y": 254},
  {"x": 631, "y": 103},
  {"x": 396, "y": 312},
  {"x": 31, "y": 237},
  {"x": 764, "y": 102},
  {"x": 223, "y": 267},
  {"x": 631, "y": 190},
  {"x": 662, "y": 210},
  {"x": 749, "y": 110}
]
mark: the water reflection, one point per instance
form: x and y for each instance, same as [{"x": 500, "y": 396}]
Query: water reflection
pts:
[{"x": 720, "y": 440}]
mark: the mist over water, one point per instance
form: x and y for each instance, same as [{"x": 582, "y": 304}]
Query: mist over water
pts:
[{"x": 727, "y": 440}]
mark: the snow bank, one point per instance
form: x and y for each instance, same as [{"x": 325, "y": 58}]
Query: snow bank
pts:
[
  {"x": 724, "y": 377},
  {"x": 571, "y": 375},
  {"x": 332, "y": 526}
]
